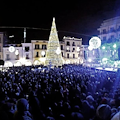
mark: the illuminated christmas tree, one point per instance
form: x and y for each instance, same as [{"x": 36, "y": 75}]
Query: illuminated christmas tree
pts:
[{"x": 53, "y": 53}]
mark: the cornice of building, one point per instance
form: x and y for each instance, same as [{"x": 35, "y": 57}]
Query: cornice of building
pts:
[{"x": 71, "y": 38}]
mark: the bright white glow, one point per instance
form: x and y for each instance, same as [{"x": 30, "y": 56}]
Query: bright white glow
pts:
[
  {"x": 28, "y": 63},
  {"x": 11, "y": 49},
  {"x": 95, "y": 42},
  {"x": 11, "y": 36},
  {"x": 114, "y": 46},
  {"x": 8, "y": 64},
  {"x": 42, "y": 59},
  {"x": 17, "y": 64},
  {"x": 22, "y": 60},
  {"x": 89, "y": 60},
  {"x": 16, "y": 52},
  {"x": 36, "y": 62},
  {"x": 90, "y": 48},
  {"x": 67, "y": 48},
  {"x": 103, "y": 47},
  {"x": 67, "y": 61},
  {"x": 78, "y": 49},
  {"x": 104, "y": 60},
  {"x": 58, "y": 51},
  {"x": 43, "y": 53},
  {"x": 116, "y": 64}
]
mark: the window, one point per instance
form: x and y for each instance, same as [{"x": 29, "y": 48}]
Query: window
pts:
[
  {"x": 37, "y": 54},
  {"x": 104, "y": 38},
  {"x": 67, "y": 55},
  {"x": 112, "y": 29},
  {"x": 81, "y": 53},
  {"x": 62, "y": 54},
  {"x": 27, "y": 56},
  {"x": 17, "y": 57},
  {"x": 68, "y": 43},
  {"x": 44, "y": 47},
  {"x": 104, "y": 31},
  {"x": 112, "y": 36},
  {"x": 73, "y": 55},
  {"x": 73, "y": 50},
  {"x": 26, "y": 49},
  {"x": 73, "y": 44},
  {"x": 7, "y": 56},
  {"x": 36, "y": 46},
  {"x": 61, "y": 47}
]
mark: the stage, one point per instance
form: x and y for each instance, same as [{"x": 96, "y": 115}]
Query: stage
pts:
[{"x": 107, "y": 69}]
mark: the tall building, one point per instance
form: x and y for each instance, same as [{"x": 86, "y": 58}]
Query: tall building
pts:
[
  {"x": 53, "y": 53},
  {"x": 71, "y": 50},
  {"x": 39, "y": 48},
  {"x": 109, "y": 31},
  {"x": 1, "y": 45}
]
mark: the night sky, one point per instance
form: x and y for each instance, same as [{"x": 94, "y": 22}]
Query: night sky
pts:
[{"x": 76, "y": 18}]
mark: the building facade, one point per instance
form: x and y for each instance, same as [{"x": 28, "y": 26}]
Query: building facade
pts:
[
  {"x": 71, "y": 50},
  {"x": 1, "y": 45},
  {"x": 34, "y": 53},
  {"x": 110, "y": 30},
  {"x": 109, "y": 33},
  {"x": 39, "y": 48}
]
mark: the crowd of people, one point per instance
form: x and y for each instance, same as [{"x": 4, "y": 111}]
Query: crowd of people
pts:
[{"x": 70, "y": 92}]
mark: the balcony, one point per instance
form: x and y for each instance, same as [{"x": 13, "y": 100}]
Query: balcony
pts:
[
  {"x": 37, "y": 48},
  {"x": 67, "y": 50},
  {"x": 73, "y": 45},
  {"x": 8, "y": 59},
  {"x": 73, "y": 51},
  {"x": 67, "y": 44}
]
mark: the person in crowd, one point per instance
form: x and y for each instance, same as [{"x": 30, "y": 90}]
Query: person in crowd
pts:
[{"x": 71, "y": 92}]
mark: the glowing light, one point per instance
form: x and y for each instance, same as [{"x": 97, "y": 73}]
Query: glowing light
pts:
[
  {"x": 104, "y": 60},
  {"x": 22, "y": 60},
  {"x": 67, "y": 48},
  {"x": 58, "y": 51},
  {"x": 8, "y": 64},
  {"x": 11, "y": 49},
  {"x": 42, "y": 59},
  {"x": 16, "y": 52},
  {"x": 17, "y": 64},
  {"x": 28, "y": 63},
  {"x": 103, "y": 47},
  {"x": 43, "y": 53},
  {"x": 89, "y": 60},
  {"x": 95, "y": 42},
  {"x": 114, "y": 46},
  {"x": 36, "y": 62},
  {"x": 78, "y": 49},
  {"x": 67, "y": 61},
  {"x": 90, "y": 48}
]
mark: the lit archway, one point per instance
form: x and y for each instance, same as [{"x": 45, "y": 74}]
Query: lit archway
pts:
[
  {"x": 17, "y": 63},
  {"x": 67, "y": 61},
  {"x": 28, "y": 63},
  {"x": 8, "y": 64},
  {"x": 36, "y": 62}
]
